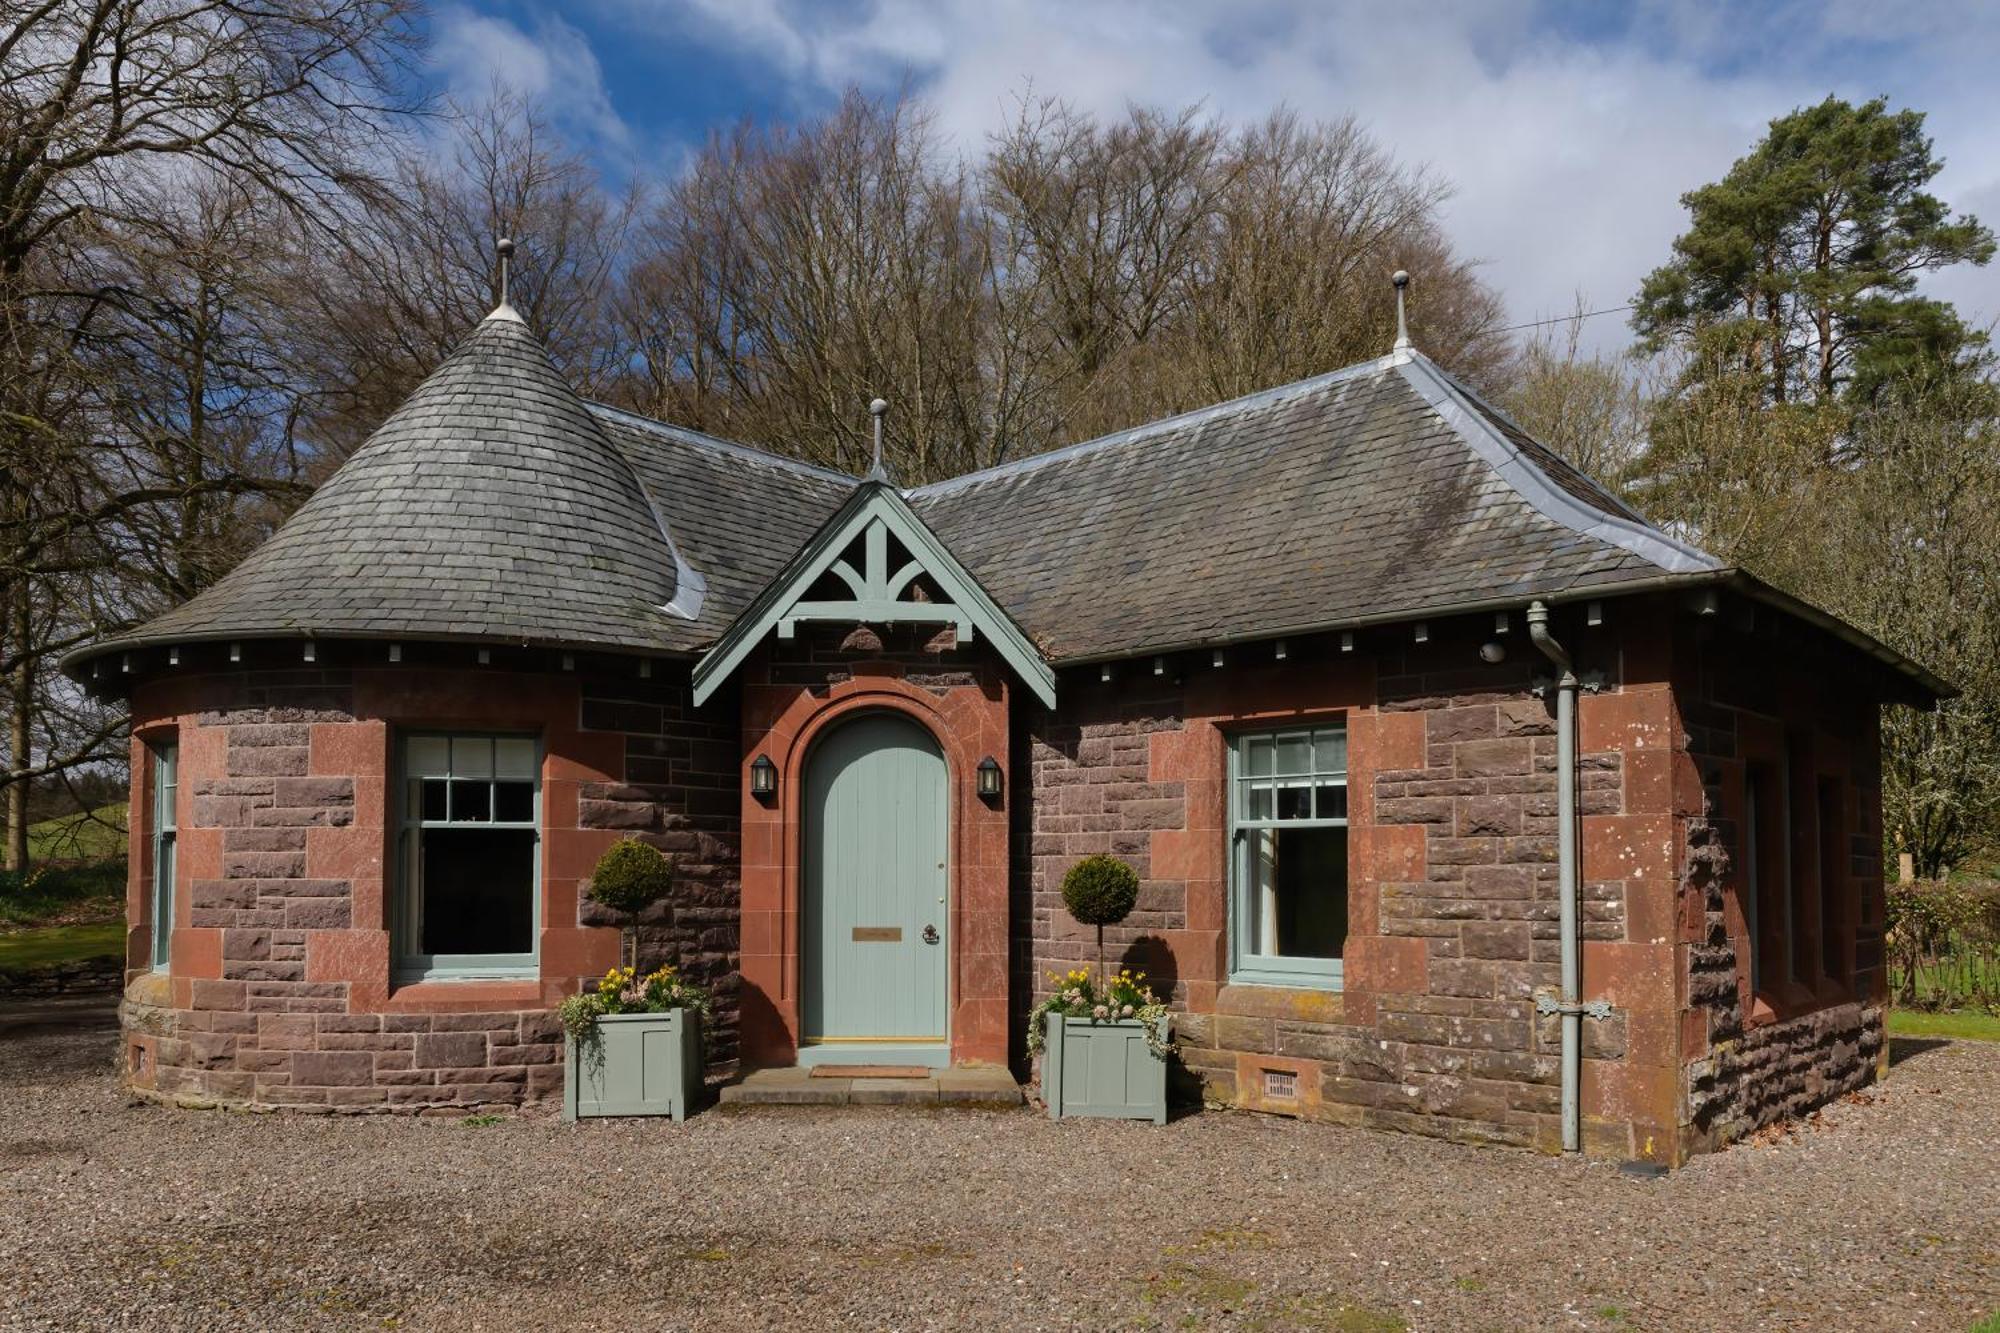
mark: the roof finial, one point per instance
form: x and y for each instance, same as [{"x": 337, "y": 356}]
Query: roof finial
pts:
[
  {"x": 505, "y": 310},
  {"x": 878, "y": 409},
  {"x": 1402, "y": 281}
]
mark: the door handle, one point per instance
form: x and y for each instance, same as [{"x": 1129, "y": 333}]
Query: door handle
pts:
[{"x": 930, "y": 935}]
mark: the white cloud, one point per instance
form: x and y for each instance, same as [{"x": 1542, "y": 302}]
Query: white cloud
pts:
[
  {"x": 1569, "y": 149},
  {"x": 553, "y": 65}
]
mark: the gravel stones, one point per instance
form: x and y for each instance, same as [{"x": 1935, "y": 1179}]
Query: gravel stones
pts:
[{"x": 1883, "y": 1211}]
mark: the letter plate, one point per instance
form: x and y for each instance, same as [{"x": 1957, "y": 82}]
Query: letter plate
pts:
[{"x": 878, "y": 934}]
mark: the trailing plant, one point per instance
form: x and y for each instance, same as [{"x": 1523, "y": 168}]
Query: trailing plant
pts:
[
  {"x": 1124, "y": 996},
  {"x": 623, "y": 991},
  {"x": 1100, "y": 891},
  {"x": 630, "y": 877}
]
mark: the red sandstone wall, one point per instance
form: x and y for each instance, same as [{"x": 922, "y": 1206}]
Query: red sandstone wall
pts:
[
  {"x": 280, "y": 989},
  {"x": 1745, "y": 681},
  {"x": 792, "y": 692},
  {"x": 1452, "y": 884}
]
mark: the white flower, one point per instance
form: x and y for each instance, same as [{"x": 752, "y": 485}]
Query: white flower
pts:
[
  {"x": 1126, "y": 1012},
  {"x": 1100, "y": 1012}
]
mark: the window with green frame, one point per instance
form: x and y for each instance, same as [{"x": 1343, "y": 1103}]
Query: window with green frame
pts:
[
  {"x": 1288, "y": 862},
  {"x": 468, "y": 900},
  {"x": 166, "y": 832}
]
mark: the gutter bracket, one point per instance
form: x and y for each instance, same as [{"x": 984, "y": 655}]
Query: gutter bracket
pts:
[
  {"x": 1545, "y": 1003},
  {"x": 1590, "y": 682}
]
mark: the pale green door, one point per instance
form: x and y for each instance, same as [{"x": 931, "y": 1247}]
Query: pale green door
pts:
[{"x": 875, "y": 911}]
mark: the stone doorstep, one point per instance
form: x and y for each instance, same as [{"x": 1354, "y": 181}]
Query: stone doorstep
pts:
[{"x": 800, "y": 1087}]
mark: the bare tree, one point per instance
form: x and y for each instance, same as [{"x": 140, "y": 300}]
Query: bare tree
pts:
[
  {"x": 1907, "y": 544},
  {"x": 1738, "y": 476},
  {"x": 1313, "y": 219},
  {"x": 1589, "y": 409},
  {"x": 1078, "y": 278},
  {"x": 417, "y": 270},
  {"x": 794, "y": 274},
  {"x": 106, "y": 108}
]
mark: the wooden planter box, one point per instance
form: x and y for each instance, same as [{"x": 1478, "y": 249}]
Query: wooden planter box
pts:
[
  {"x": 1102, "y": 1069},
  {"x": 637, "y": 1064}
]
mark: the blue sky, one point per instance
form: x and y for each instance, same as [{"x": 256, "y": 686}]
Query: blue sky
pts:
[{"x": 1569, "y": 129}]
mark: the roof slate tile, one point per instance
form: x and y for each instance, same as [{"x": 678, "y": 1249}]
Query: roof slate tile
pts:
[{"x": 497, "y": 505}]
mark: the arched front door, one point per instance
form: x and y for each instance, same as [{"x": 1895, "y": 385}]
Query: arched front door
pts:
[{"x": 876, "y": 915}]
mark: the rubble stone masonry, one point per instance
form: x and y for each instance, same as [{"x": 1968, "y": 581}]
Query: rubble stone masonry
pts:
[{"x": 1758, "y": 1056}]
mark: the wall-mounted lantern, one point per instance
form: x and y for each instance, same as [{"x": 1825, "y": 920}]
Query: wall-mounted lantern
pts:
[
  {"x": 763, "y": 776},
  {"x": 989, "y": 778}
]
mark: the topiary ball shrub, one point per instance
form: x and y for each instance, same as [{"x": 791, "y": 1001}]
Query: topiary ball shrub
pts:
[
  {"x": 1100, "y": 890},
  {"x": 630, "y": 877}
]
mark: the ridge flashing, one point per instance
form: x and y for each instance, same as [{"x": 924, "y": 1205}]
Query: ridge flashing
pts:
[{"x": 1455, "y": 405}]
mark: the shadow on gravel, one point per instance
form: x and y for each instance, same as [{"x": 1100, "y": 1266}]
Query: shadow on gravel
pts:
[
  {"x": 92, "y": 1011},
  {"x": 1906, "y": 1048},
  {"x": 42, "y": 1057}
]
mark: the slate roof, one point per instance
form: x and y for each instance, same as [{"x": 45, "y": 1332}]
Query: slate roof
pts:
[
  {"x": 737, "y": 514},
  {"x": 495, "y": 505},
  {"x": 489, "y": 506},
  {"x": 1385, "y": 488}
]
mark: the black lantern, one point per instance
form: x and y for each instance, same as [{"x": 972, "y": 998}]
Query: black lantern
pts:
[
  {"x": 763, "y": 776},
  {"x": 989, "y": 777}
]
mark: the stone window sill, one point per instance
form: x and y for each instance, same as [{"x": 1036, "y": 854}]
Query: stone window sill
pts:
[
  {"x": 1794, "y": 1000},
  {"x": 1258, "y": 1000},
  {"x": 463, "y": 996}
]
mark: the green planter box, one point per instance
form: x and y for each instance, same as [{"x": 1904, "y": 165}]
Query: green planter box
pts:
[
  {"x": 1102, "y": 1069},
  {"x": 637, "y": 1064}
]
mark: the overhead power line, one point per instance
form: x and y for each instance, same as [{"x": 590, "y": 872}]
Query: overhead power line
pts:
[{"x": 1564, "y": 319}]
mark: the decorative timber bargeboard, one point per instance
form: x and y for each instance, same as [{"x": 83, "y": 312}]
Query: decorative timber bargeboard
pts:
[{"x": 875, "y": 563}]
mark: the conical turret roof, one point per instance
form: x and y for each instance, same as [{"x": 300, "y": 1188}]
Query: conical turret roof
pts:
[{"x": 491, "y": 505}]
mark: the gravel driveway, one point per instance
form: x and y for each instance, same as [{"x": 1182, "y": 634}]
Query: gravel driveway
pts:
[{"x": 1885, "y": 1214}]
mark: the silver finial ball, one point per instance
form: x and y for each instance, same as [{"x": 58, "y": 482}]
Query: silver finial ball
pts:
[
  {"x": 878, "y": 407},
  {"x": 505, "y": 246},
  {"x": 1401, "y": 278}
]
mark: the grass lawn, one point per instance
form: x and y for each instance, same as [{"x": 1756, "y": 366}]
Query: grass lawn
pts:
[
  {"x": 1964, "y": 1024},
  {"x": 62, "y": 944},
  {"x": 90, "y": 835}
]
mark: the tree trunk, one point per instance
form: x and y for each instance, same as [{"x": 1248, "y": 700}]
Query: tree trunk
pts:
[
  {"x": 1779, "y": 369},
  {"x": 1823, "y": 264},
  {"x": 20, "y": 708}
]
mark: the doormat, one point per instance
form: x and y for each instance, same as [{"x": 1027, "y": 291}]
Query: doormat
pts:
[{"x": 871, "y": 1071}]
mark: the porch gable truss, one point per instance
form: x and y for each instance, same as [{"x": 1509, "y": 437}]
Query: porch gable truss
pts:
[{"x": 864, "y": 566}]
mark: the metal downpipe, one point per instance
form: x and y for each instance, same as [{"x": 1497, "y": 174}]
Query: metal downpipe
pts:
[{"x": 1570, "y": 882}]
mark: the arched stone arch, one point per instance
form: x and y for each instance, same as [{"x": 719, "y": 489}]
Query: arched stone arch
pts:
[{"x": 783, "y": 722}]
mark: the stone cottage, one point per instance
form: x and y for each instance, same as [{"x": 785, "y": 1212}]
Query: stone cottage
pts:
[{"x": 1464, "y": 802}]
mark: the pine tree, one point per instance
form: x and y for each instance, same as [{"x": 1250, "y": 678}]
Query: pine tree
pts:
[{"x": 1801, "y": 264}]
